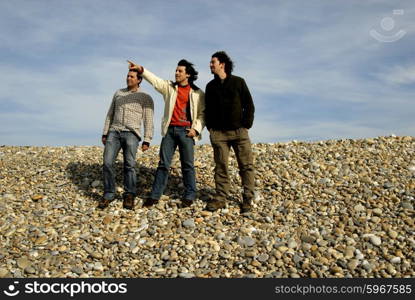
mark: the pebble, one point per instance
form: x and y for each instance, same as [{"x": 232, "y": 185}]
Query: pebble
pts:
[
  {"x": 367, "y": 266},
  {"x": 23, "y": 262},
  {"x": 263, "y": 257},
  {"x": 349, "y": 252},
  {"x": 8, "y": 197},
  {"x": 336, "y": 269},
  {"x": 393, "y": 234},
  {"x": 95, "y": 183},
  {"x": 107, "y": 219},
  {"x": 359, "y": 207},
  {"x": 255, "y": 263},
  {"x": 186, "y": 275},
  {"x": 246, "y": 241},
  {"x": 407, "y": 205},
  {"x": 352, "y": 264},
  {"x": 30, "y": 270},
  {"x": 297, "y": 259},
  {"x": 375, "y": 240},
  {"x": 189, "y": 223},
  {"x": 395, "y": 260},
  {"x": 308, "y": 239},
  {"x": 377, "y": 211},
  {"x": 292, "y": 244},
  {"x": 205, "y": 213},
  {"x": 98, "y": 266},
  {"x": 41, "y": 240},
  {"x": 77, "y": 270},
  {"x": 37, "y": 197},
  {"x": 3, "y": 272}
]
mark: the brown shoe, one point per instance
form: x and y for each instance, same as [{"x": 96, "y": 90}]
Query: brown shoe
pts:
[
  {"x": 103, "y": 203},
  {"x": 186, "y": 203},
  {"x": 246, "y": 206},
  {"x": 150, "y": 202},
  {"x": 215, "y": 205},
  {"x": 128, "y": 202}
]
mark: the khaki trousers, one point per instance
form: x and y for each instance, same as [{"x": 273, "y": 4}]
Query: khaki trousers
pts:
[{"x": 222, "y": 141}]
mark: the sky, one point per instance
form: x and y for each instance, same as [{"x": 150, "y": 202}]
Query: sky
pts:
[{"x": 317, "y": 70}]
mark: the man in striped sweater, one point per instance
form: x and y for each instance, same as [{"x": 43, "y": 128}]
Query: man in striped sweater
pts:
[{"x": 129, "y": 108}]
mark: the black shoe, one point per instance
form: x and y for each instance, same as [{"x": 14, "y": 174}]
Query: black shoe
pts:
[
  {"x": 103, "y": 203},
  {"x": 186, "y": 203},
  {"x": 215, "y": 205},
  {"x": 150, "y": 202},
  {"x": 128, "y": 202},
  {"x": 246, "y": 206}
]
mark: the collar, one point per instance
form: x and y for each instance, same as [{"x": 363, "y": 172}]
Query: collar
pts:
[
  {"x": 136, "y": 91},
  {"x": 220, "y": 80}
]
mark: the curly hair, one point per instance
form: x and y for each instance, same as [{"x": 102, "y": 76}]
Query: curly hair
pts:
[{"x": 223, "y": 57}]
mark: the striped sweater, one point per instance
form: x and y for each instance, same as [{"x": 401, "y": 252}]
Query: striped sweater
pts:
[{"x": 128, "y": 110}]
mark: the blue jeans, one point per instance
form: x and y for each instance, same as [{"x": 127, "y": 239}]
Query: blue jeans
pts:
[
  {"x": 128, "y": 141},
  {"x": 176, "y": 136}
]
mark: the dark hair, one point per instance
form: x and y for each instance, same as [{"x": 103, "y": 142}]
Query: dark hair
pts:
[
  {"x": 223, "y": 57},
  {"x": 136, "y": 71},
  {"x": 189, "y": 70}
]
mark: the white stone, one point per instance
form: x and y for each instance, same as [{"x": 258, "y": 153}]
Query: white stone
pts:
[
  {"x": 375, "y": 240},
  {"x": 395, "y": 260}
]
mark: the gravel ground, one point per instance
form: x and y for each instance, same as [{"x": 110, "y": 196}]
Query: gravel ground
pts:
[{"x": 337, "y": 208}]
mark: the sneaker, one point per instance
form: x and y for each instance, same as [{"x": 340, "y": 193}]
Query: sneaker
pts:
[
  {"x": 186, "y": 203},
  {"x": 215, "y": 205},
  {"x": 103, "y": 203},
  {"x": 128, "y": 202},
  {"x": 150, "y": 202}
]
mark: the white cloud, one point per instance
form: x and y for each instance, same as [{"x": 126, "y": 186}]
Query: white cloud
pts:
[{"x": 399, "y": 75}]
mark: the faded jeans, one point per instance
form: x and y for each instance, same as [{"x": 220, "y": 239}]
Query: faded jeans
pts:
[
  {"x": 128, "y": 142},
  {"x": 176, "y": 137}
]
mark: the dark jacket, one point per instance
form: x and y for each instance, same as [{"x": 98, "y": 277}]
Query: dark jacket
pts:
[{"x": 228, "y": 105}]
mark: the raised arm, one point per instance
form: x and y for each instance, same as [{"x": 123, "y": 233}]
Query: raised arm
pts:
[{"x": 161, "y": 85}]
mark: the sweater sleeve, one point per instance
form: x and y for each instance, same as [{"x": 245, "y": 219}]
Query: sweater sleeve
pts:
[
  {"x": 248, "y": 107},
  {"x": 110, "y": 116},
  {"x": 148, "y": 112}
]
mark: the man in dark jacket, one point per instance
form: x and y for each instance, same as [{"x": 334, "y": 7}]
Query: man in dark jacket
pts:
[{"x": 229, "y": 113}]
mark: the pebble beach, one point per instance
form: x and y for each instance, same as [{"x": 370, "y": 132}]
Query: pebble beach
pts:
[{"x": 334, "y": 208}]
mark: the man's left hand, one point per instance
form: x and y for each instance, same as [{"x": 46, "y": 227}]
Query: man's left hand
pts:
[{"x": 191, "y": 132}]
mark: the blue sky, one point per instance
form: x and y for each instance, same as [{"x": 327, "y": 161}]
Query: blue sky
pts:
[{"x": 314, "y": 69}]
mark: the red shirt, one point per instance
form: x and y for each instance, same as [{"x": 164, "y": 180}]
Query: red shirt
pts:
[{"x": 179, "y": 117}]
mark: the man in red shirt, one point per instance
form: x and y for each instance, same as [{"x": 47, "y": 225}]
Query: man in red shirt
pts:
[{"x": 182, "y": 124}]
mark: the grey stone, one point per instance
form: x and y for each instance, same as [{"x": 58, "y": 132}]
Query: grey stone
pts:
[
  {"x": 407, "y": 205},
  {"x": 189, "y": 223},
  {"x": 246, "y": 241},
  {"x": 263, "y": 257}
]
